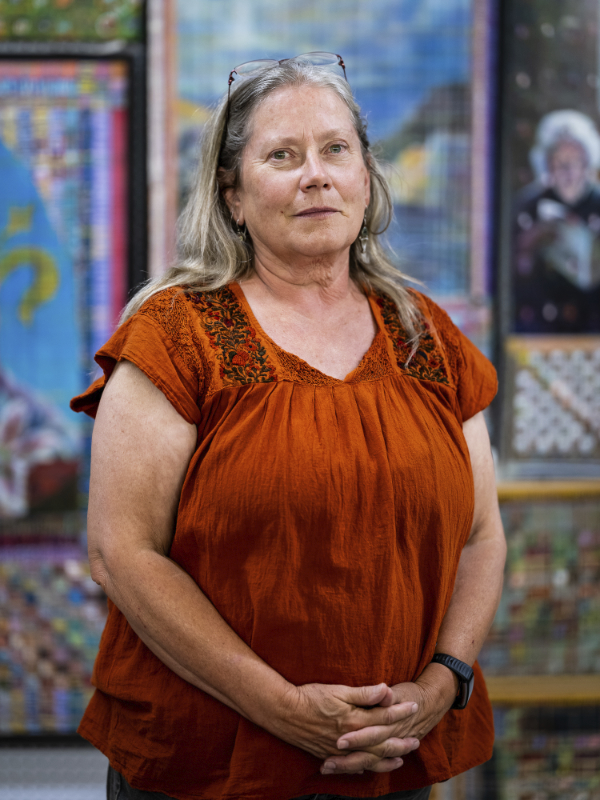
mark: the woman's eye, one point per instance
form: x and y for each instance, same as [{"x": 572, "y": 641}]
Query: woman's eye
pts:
[
  {"x": 336, "y": 148},
  {"x": 279, "y": 155}
]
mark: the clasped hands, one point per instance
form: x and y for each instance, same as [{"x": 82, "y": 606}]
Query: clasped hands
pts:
[{"x": 365, "y": 728}]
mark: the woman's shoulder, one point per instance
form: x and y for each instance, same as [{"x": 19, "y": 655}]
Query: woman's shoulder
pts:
[
  {"x": 437, "y": 320},
  {"x": 469, "y": 370},
  {"x": 164, "y": 306}
]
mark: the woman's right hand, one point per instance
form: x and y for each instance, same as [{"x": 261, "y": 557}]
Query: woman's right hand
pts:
[{"x": 315, "y": 715}]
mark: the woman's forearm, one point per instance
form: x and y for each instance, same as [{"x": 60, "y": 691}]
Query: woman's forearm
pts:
[
  {"x": 475, "y": 598},
  {"x": 178, "y": 623}
]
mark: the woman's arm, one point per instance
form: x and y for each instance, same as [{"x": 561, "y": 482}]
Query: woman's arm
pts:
[
  {"x": 470, "y": 614},
  {"x": 141, "y": 449}
]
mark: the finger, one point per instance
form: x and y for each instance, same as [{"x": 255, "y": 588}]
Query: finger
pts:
[
  {"x": 393, "y": 747},
  {"x": 369, "y": 737},
  {"x": 387, "y": 765},
  {"x": 373, "y": 717},
  {"x": 388, "y": 700},
  {"x": 366, "y": 695},
  {"x": 358, "y": 763}
]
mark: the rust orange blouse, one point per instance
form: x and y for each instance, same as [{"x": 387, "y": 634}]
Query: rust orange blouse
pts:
[{"x": 323, "y": 518}]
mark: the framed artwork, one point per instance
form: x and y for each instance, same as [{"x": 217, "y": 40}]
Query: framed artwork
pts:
[
  {"x": 551, "y": 411},
  {"x": 550, "y": 156},
  {"x": 545, "y": 624},
  {"x": 71, "y": 20},
  {"x": 66, "y": 200}
]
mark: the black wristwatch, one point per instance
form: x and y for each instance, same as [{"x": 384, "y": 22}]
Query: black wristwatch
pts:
[{"x": 463, "y": 672}]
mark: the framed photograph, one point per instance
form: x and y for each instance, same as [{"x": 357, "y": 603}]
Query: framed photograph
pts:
[{"x": 548, "y": 170}]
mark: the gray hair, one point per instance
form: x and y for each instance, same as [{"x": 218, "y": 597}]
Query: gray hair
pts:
[
  {"x": 564, "y": 126},
  {"x": 210, "y": 253}
]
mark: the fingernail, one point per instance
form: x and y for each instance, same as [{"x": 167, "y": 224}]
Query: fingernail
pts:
[
  {"x": 415, "y": 744},
  {"x": 328, "y": 769},
  {"x": 343, "y": 745},
  {"x": 398, "y": 762},
  {"x": 414, "y": 708}
]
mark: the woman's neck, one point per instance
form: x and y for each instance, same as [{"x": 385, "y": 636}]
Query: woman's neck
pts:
[{"x": 315, "y": 283}]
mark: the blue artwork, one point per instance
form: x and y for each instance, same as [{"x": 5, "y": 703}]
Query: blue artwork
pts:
[
  {"x": 39, "y": 335},
  {"x": 39, "y": 344}
]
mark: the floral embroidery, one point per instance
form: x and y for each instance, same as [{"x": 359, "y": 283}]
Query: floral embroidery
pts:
[
  {"x": 167, "y": 309},
  {"x": 243, "y": 357},
  {"x": 428, "y": 362}
]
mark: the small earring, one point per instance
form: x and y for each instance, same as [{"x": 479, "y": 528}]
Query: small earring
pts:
[
  {"x": 364, "y": 236},
  {"x": 240, "y": 232}
]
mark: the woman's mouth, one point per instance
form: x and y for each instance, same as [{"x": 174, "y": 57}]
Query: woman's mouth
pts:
[{"x": 317, "y": 212}]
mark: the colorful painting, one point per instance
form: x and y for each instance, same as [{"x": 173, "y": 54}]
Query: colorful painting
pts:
[
  {"x": 410, "y": 67},
  {"x": 63, "y": 272},
  {"x": 64, "y": 20}
]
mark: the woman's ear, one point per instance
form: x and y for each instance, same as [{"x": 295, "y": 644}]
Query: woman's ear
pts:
[{"x": 230, "y": 194}]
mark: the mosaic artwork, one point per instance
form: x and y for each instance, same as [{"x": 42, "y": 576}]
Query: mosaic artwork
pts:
[
  {"x": 51, "y": 618},
  {"x": 63, "y": 267},
  {"x": 552, "y": 403},
  {"x": 70, "y": 20},
  {"x": 547, "y": 753},
  {"x": 548, "y": 621}
]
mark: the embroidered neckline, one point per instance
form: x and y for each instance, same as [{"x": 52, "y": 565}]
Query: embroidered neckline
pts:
[
  {"x": 239, "y": 344},
  {"x": 374, "y": 364}
]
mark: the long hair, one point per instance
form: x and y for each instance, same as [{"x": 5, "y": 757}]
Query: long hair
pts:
[{"x": 211, "y": 254}]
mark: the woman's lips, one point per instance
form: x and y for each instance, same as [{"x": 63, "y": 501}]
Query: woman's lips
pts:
[{"x": 318, "y": 211}]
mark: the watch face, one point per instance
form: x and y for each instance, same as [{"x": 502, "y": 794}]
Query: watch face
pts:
[{"x": 470, "y": 686}]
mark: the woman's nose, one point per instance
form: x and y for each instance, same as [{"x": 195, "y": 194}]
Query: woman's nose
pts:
[{"x": 315, "y": 174}]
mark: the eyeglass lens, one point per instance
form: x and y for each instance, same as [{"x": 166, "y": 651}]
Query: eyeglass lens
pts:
[{"x": 317, "y": 59}]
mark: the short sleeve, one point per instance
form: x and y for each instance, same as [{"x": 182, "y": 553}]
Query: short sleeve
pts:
[
  {"x": 473, "y": 374},
  {"x": 158, "y": 339}
]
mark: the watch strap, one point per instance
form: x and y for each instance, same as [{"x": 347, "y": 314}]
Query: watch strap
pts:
[{"x": 463, "y": 672}]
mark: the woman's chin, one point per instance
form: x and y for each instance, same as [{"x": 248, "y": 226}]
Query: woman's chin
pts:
[{"x": 312, "y": 249}]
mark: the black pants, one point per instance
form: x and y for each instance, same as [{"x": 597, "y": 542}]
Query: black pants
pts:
[{"x": 117, "y": 788}]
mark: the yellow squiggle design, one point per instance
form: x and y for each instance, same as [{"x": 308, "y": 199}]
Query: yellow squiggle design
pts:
[{"x": 46, "y": 280}]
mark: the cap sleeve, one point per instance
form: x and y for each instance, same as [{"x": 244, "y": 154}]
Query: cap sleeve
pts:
[
  {"x": 159, "y": 340},
  {"x": 473, "y": 374}
]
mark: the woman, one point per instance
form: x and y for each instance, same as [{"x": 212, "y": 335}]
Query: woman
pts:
[{"x": 282, "y": 509}]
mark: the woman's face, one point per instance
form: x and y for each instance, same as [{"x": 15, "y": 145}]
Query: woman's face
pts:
[
  {"x": 304, "y": 185},
  {"x": 568, "y": 168}
]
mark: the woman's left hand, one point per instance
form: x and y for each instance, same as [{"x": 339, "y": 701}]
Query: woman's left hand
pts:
[{"x": 434, "y": 693}]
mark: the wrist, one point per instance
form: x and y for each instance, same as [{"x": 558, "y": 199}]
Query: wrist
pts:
[
  {"x": 267, "y": 697},
  {"x": 440, "y": 679}
]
